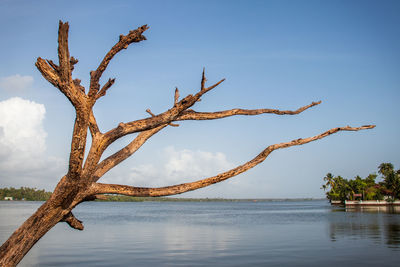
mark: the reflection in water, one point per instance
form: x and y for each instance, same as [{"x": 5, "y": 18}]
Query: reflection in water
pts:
[
  {"x": 393, "y": 235},
  {"x": 213, "y": 234},
  {"x": 378, "y": 224},
  {"x": 375, "y": 209},
  {"x": 187, "y": 238}
]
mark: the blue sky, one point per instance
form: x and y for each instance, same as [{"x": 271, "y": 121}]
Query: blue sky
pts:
[{"x": 274, "y": 54}]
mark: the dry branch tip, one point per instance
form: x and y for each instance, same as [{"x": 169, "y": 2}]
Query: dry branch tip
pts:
[
  {"x": 151, "y": 113},
  {"x": 176, "y": 97},
  {"x": 203, "y": 80}
]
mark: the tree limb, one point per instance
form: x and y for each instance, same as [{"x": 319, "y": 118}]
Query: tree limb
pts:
[
  {"x": 134, "y": 36},
  {"x": 93, "y": 127},
  {"x": 49, "y": 73},
  {"x": 203, "y": 80},
  {"x": 104, "y": 89},
  {"x": 176, "y": 96},
  {"x": 72, "y": 89},
  {"x": 157, "y": 120},
  {"x": 61, "y": 76},
  {"x": 73, "y": 221},
  {"x": 63, "y": 52},
  {"x": 99, "y": 188},
  {"x": 194, "y": 115},
  {"x": 78, "y": 144},
  {"x": 116, "y": 158},
  {"x": 153, "y": 115},
  {"x": 53, "y": 65}
]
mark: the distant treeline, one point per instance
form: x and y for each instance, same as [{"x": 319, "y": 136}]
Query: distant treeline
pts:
[
  {"x": 33, "y": 194},
  {"x": 120, "y": 198},
  {"x": 24, "y": 193}
]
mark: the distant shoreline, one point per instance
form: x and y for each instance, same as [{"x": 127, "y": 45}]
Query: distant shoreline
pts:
[
  {"x": 33, "y": 194},
  {"x": 168, "y": 199}
]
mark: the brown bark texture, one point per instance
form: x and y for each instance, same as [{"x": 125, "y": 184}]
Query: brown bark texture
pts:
[{"x": 80, "y": 184}]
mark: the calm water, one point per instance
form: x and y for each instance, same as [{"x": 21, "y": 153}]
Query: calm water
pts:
[{"x": 309, "y": 233}]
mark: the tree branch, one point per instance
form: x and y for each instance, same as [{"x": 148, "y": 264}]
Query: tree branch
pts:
[
  {"x": 205, "y": 90},
  {"x": 49, "y": 73},
  {"x": 72, "y": 89},
  {"x": 116, "y": 158},
  {"x": 93, "y": 127},
  {"x": 61, "y": 76},
  {"x": 63, "y": 52},
  {"x": 153, "y": 115},
  {"x": 95, "y": 197},
  {"x": 176, "y": 96},
  {"x": 134, "y": 36},
  {"x": 104, "y": 89},
  {"x": 53, "y": 65},
  {"x": 98, "y": 188},
  {"x": 203, "y": 80},
  {"x": 78, "y": 143},
  {"x": 193, "y": 115},
  {"x": 157, "y": 120},
  {"x": 73, "y": 221}
]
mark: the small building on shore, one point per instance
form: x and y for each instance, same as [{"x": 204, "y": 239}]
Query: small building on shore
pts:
[{"x": 8, "y": 198}]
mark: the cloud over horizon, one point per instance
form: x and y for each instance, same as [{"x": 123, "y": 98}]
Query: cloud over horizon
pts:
[
  {"x": 23, "y": 159},
  {"x": 173, "y": 167}
]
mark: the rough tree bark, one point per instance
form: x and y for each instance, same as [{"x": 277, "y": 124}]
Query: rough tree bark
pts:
[{"x": 80, "y": 183}]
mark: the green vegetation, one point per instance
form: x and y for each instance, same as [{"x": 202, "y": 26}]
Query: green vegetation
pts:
[
  {"x": 367, "y": 189},
  {"x": 24, "y": 193},
  {"x": 32, "y": 194},
  {"x": 120, "y": 198}
]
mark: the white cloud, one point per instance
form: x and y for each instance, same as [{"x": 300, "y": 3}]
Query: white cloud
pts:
[
  {"x": 16, "y": 82},
  {"x": 23, "y": 161},
  {"x": 175, "y": 166}
]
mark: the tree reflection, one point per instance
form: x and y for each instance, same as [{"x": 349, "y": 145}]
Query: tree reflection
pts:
[{"x": 380, "y": 225}]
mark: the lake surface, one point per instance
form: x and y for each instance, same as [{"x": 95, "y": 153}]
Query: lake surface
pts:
[{"x": 307, "y": 233}]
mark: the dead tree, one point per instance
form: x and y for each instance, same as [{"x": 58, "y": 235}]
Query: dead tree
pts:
[{"x": 80, "y": 183}]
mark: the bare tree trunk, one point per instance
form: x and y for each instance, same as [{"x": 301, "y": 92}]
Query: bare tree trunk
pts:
[
  {"x": 22, "y": 240},
  {"x": 56, "y": 209},
  {"x": 80, "y": 183}
]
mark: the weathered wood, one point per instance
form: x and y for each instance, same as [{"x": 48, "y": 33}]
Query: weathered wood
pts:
[
  {"x": 134, "y": 36},
  {"x": 104, "y": 89},
  {"x": 99, "y": 188},
  {"x": 119, "y": 156},
  {"x": 22, "y": 240},
  {"x": 80, "y": 182},
  {"x": 73, "y": 221},
  {"x": 193, "y": 115}
]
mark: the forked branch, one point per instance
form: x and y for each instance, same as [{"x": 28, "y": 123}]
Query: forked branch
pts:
[
  {"x": 119, "y": 156},
  {"x": 105, "y": 87},
  {"x": 154, "y": 121},
  {"x": 180, "y": 111},
  {"x": 60, "y": 75},
  {"x": 123, "y": 43},
  {"x": 99, "y": 188}
]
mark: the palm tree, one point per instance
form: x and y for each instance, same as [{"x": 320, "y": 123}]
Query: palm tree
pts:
[
  {"x": 329, "y": 181},
  {"x": 386, "y": 169},
  {"x": 391, "y": 179}
]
